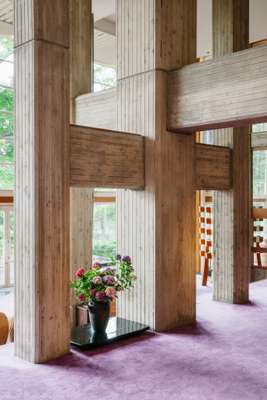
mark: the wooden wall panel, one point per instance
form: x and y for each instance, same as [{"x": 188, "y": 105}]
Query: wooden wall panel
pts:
[
  {"x": 119, "y": 158},
  {"x": 136, "y": 210},
  {"x": 42, "y": 20},
  {"x": 156, "y": 229},
  {"x": 232, "y": 223},
  {"x": 243, "y": 224},
  {"x": 81, "y": 199},
  {"x": 213, "y": 167},
  {"x": 80, "y": 50},
  {"x": 42, "y": 188},
  {"x": 98, "y": 109},
  {"x": 170, "y": 26},
  {"x": 175, "y": 220},
  {"x": 81, "y": 229},
  {"x": 26, "y": 208},
  {"x": 230, "y": 32},
  {"x": 224, "y": 92}
]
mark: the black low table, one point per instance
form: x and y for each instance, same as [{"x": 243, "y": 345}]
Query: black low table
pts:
[{"x": 118, "y": 328}]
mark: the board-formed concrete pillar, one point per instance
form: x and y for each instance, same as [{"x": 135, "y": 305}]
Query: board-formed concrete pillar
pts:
[
  {"x": 157, "y": 226},
  {"x": 42, "y": 326},
  {"x": 232, "y": 209},
  {"x": 81, "y": 199}
]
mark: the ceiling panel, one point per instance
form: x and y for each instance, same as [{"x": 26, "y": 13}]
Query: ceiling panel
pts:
[
  {"x": 6, "y": 11},
  {"x": 105, "y": 51}
]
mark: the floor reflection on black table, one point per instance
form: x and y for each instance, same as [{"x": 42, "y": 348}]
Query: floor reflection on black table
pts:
[{"x": 118, "y": 328}]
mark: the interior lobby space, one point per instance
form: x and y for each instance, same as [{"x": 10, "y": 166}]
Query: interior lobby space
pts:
[{"x": 133, "y": 199}]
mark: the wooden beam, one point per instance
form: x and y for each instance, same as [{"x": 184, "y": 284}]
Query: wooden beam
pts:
[
  {"x": 6, "y": 199},
  {"x": 213, "y": 167},
  {"x": 225, "y": 92},
  {"x": 259, "y": 213},
  {"x": 42, "y": 326},
  {"x": 109, "y": 159}
]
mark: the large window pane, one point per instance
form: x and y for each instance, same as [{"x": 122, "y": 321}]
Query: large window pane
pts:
[
  {"x": 6, "y": 176},
  {"x": 260, "y": 192},
  {"x": 104, "y": 232},
  {"x": 11, "y": 246},
  {"x": 258, "y": 128},
  {"x": 104, "y": 77},
  {"x": 6, "y": 101},
  {"x": 2, "y": 264},
  {"x": 260, "y": 176},
  {"x": 6, "y": 124},
  {"x": 6, "y": 151}
]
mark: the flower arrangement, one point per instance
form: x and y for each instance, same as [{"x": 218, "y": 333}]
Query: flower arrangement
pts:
[{"x": 101, "y": 284}]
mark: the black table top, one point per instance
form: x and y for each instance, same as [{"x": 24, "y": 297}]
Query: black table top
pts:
[{"x": 117, "y": 329}]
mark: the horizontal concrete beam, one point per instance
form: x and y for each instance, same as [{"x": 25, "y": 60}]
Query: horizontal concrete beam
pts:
[{"x": 229, "y": 91}]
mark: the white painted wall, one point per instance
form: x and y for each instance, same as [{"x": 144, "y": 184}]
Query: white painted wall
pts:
[
  {"x": 204, "y": 28},
  {"x": 103, "y": 8},
  {"x": 6, "y": 29},
  {"x": 257, "y": 24},
  {"x": 258, "y": 20}
]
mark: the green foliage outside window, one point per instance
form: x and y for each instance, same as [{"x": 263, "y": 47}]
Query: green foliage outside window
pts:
[
  {"x": 104, "y": 77},
  {"x": 6, "y": 122},
  {"x": 104, "y": 230}
]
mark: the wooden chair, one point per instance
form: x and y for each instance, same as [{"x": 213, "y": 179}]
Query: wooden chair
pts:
[
  {"x": 205, "y": 226},
  {"x": 259, "y": 214},
  {"x": 4, "y": 328}
]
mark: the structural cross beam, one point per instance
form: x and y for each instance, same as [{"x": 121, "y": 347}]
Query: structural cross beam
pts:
[{"x": 106, "y": 158}]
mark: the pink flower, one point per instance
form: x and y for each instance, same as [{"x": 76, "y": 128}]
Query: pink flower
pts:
[
  {"x": 96, "y": 265},
  {"x": 82, "y": 297},
  {"x": 97, "y": 280},
  {"x": 100, "y": 296},
  {"x": 109, "y": 279},
  {"x": 80, "y": 272},
  {"x": 110, "y": 292},
  {"x": 92, "y": 292}
]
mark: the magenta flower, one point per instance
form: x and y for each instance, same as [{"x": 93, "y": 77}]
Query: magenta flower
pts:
[
  {"x": 110, "y": 292},
  {"x": 82, "y": 297},
  {"x": 97, "y": 280},
  {"x": 118, "y": 257},
  {"x": 100, "y": 296},
  {"x": 80, "y": 272}
]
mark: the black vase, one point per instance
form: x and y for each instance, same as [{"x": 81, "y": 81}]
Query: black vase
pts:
[{"x": 99, "y": 316}]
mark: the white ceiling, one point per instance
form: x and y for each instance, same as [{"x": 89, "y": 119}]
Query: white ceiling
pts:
[
  {"x": 6, "y": 11},
  {"x": 105, "y": 49},
  {"x": 103, "y": 8},
  {"x": 104, "y": 14}
]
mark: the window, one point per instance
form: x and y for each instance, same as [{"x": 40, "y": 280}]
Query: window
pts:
[
  {"x": 6, "y": 114},
  {"x": 6, "y": 246},
  {"x": 259, "y": 128},
  {"x": 104, "y": 226},
  {"x": 260, "y": 177},
  {"x": 104, "y": 77}
]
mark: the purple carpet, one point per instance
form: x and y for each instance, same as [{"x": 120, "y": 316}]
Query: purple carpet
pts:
[{"x": 224, "y": 358}]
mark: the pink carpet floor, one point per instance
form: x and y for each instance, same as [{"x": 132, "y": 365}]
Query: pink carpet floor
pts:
[{"x": 223, "y": 358}]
